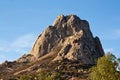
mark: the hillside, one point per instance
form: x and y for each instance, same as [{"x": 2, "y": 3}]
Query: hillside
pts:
[{"x": 67, "y": 47}]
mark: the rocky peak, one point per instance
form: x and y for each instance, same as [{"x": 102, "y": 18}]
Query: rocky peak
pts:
[
  {"x": 70, "y": 24},
  {"x": 72, "y": 39},
  {"x": 66, "y": 47}
]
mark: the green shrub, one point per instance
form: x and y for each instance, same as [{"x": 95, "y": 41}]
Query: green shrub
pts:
[
  {"x": 54, "y": 77},
  {"x": 42, "y": 76},
  {"x": 49, "y": 76},
  {"x": 106, "y": 69},
  {"x": 27, "y": 77}
]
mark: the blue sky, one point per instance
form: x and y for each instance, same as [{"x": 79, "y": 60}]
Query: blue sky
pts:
[{"x": 21, "y": 21}]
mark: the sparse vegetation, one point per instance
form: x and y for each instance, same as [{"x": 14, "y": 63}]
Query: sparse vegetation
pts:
[
  {"x": 42, "y": 76},
  {"x": 27, "y": 77}
]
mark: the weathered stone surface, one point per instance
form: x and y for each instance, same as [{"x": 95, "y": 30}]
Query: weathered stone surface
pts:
[
  {"x": 26, "y": 58},
  {"x": 75, "y": 38}
]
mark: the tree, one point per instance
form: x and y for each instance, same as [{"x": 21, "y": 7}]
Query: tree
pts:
[
  {"x": 106, "y": 69},
  {"x": 42, "y": 75},
  {"x": 118, "y": 63}
]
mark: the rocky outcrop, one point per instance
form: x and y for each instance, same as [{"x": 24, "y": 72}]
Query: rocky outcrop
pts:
[
  {"x": 74, "y": 37},
  {"x": 26, "y": 58},
  {"x": 66, "y": 47}
]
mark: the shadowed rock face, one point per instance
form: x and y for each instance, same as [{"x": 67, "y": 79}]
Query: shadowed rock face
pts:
[{"x": 74, "y": 37}]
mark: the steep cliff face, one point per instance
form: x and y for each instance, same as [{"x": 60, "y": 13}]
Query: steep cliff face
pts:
[{"x": 73, "y": 38}]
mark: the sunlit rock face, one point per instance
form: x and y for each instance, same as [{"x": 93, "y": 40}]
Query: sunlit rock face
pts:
[{"x": 74, "y": 38}]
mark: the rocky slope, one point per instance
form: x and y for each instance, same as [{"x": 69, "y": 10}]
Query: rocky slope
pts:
[
  {"x": 74, "y": 37},
  {"x": 66, "y": 47}
]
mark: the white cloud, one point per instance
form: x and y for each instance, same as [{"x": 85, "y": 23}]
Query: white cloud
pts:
[
  {"x": 113, "y": 34},
  {"x": 19, "y": 45},
  {"x": 113, "y": 51},
  {"x": 108, "y": 50},
  {"x": 4, "y": 46},
  {"x": 24, "y": 41},
  {"x": 2, "y": 58},
  {"x": 11, "y": 50},
  {"x": 117, "y": 33}
]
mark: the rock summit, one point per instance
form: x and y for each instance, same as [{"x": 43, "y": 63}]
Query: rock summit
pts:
[{"x": 70, "y": 38}]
